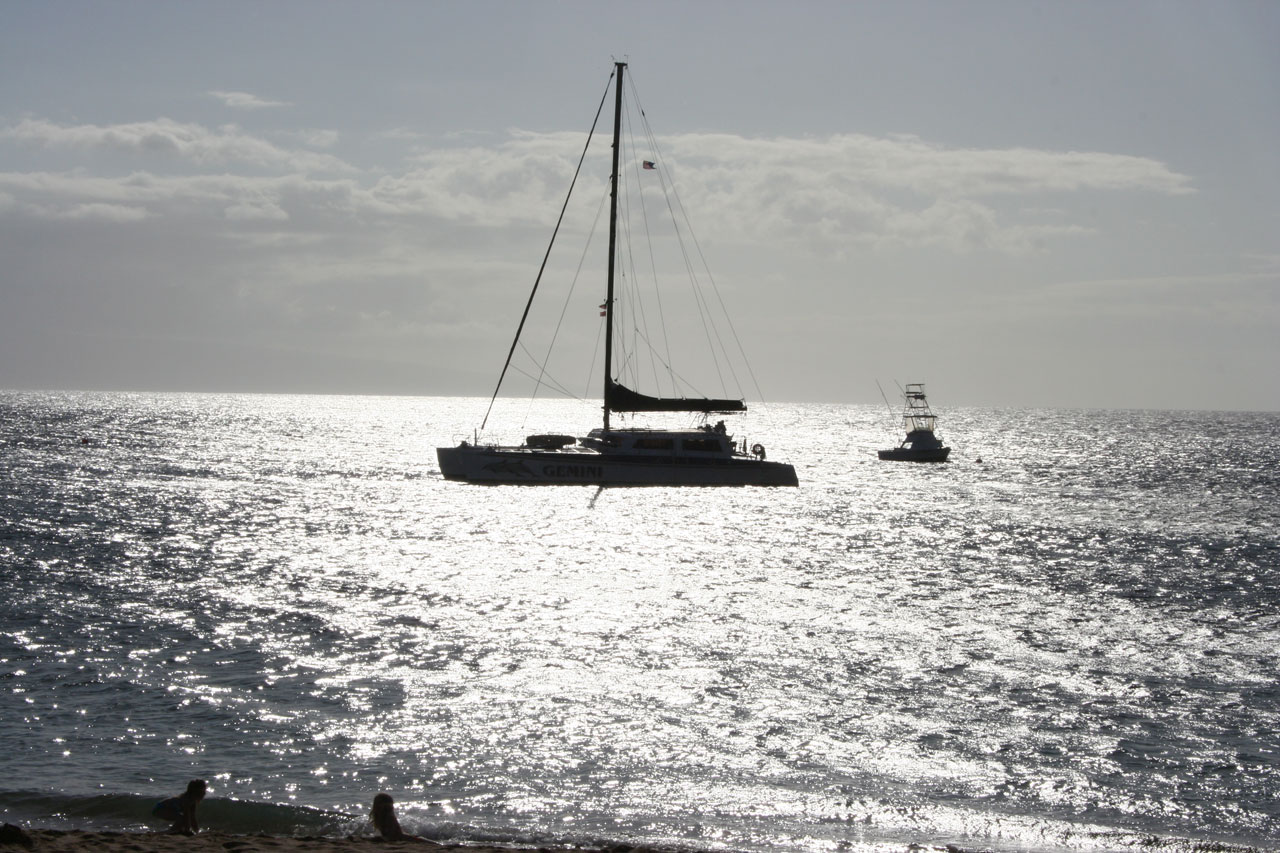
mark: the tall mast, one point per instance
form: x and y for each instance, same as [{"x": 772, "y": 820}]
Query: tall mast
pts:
[{"x": 613, "y": 237}]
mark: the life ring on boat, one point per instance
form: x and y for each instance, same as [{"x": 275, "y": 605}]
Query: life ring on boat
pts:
[{"x": 758, "y": 450}]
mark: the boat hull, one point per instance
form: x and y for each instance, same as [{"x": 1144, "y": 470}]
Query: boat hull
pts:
[
  {"x": 526, "y": 467},
  {"x": 913, "y": 454}
]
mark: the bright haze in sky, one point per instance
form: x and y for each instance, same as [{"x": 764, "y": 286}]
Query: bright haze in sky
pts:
[{"x": 1020, "y": 204}]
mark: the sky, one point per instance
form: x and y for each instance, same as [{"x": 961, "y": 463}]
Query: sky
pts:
[{"x": 1022, "y": 204}]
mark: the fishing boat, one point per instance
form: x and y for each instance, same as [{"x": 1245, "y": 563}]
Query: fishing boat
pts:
[
  {"x": 921, "y": 443},
  {"x": 698, "y": 454}
]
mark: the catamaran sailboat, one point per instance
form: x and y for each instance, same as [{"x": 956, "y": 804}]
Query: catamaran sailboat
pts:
[
  {"x": 921, "y": 444},
  {"x": 703, "y": 455}
]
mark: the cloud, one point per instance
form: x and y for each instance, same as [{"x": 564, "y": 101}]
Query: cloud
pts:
[
  {"x": 899, "y": 190},
  {"x": 907, "y": 162},
  {"x": 263, "y": 209},
  {"x": 520, "y": 181},
  {"x": 104, "y": 212},
  {"x": 398, "y": 134},
  {"x": 246, "y": 101},
  {"x": 164, "y": 137},
  {"x": 824, "y": 193},
  {"x": 896, "y": 191},
  {"x": 197, "y": 198},
  {"x": 315, "y": 138},
  {"x": 432, "y": 258}
]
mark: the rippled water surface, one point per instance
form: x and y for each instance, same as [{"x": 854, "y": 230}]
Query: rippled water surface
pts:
[{"x": 1064, "y": 639}]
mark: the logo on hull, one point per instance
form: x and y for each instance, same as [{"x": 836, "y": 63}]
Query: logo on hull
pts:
[{"x": 510, "y": 467}]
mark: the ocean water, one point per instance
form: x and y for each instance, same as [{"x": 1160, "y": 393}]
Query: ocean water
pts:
[{"x": 1066, "y": 639}]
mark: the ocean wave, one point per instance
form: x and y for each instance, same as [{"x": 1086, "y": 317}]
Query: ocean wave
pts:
[{"x": 132, "y": 812}]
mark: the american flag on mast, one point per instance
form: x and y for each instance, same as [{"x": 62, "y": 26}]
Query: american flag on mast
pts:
[{"x": 649, "y": 164}]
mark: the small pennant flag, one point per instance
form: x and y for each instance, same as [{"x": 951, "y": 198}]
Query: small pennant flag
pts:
[{"x": 649, "y": 164}]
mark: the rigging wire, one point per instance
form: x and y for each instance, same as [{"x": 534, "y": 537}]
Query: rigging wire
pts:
[
  {"x": 678, "y": 380},
  {"x": 653, "y": 140},
  {"x": 708, "y": 319},
  {"x": 564, "y": 308},
  {"x": 653, "y": 265},
  {"x": 595, "y": 352},
  {"x": 538, "y": 280},
  {"x": 631, "y": 301},
  {"x": 551, "y": 383}
]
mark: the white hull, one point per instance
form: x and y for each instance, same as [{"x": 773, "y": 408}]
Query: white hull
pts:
[{"x": 523, "y": 466}]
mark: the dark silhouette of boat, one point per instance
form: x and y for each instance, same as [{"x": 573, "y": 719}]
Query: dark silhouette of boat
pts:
[
  {"x": 921, "y": 443},
  {"x": 703, "y": 455}
]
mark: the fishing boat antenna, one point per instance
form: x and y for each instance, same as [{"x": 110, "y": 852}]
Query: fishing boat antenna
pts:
[{"x": 883, "y": 397}]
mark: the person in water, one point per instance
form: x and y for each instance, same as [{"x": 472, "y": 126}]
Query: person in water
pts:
[
  {"x": 182, "y": 808},
  {"x": 384, "y": 820}
]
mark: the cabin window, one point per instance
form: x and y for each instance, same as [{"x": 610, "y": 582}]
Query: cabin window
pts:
[
  {"x": 706, "y": 445},
  {"x": 654, "y": 444}
]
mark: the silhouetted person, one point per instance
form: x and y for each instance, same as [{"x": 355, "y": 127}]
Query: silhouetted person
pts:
[
  {"x": 182, "y": 808},
  {"x": 384, "y": 820}
]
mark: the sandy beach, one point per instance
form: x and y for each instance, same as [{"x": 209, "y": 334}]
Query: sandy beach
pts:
[{"x": 64, "y": 841}]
